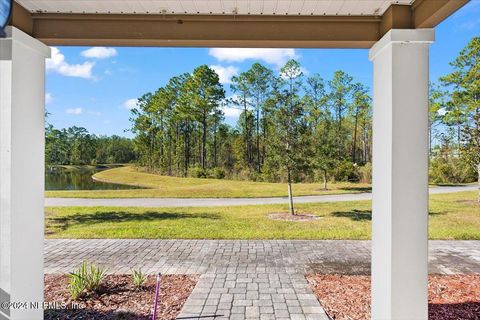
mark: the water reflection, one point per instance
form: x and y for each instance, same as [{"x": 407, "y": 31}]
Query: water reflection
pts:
[{"x": 78, "y": 178}]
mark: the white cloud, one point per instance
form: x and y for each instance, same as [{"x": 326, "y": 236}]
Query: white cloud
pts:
[
  {"x": 99, "y": 53},
  {"x": 130, "y": 104},
  {"x": 75, "y": 111},
  {"x": 231, "y": 112},
  {"x": 277, "y": 57},
  {"x": 442, "y": 111},
  {"x": 225, "y": 73},
  {"x": 57, "y": 63},
  {"x": 48, "y": 98}
]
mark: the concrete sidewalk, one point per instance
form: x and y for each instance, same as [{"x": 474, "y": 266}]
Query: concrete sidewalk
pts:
[{"x": 209, "y": 202}]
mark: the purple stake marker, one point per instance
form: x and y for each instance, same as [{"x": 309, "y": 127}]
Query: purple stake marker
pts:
[{"x": 155, "y": 303}]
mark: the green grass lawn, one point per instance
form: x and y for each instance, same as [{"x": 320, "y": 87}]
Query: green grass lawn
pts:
[
  {"x": 164, "y": 186},
  {"x": 452, "y": 216}
]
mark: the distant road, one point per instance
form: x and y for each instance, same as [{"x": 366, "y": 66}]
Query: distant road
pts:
[{"x": 224, "y": 202}]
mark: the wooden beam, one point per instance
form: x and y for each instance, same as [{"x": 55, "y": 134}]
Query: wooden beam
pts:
[
  {"x": 396, "y": 17},
  {"x": 429, "y": 13},
  {"x": 229, "y": 30},
  {"x": 21, "y": 18},
  {"x": 206, "y": 31}
]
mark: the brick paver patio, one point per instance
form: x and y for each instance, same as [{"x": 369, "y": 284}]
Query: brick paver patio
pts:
[{"x": 243, "y": 279}]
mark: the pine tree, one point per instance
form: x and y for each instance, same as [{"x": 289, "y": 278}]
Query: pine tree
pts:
[
  {"x": 465, "y": 96},
  {"x": 205, "y": 92},
  {"x": 259, "y": 80},
  {"x": 240, "y": 86}
]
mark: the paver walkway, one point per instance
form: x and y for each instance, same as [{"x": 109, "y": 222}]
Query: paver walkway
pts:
[
  {"x": 240, "y": 279},
  {"x": 209, "y": 202}
]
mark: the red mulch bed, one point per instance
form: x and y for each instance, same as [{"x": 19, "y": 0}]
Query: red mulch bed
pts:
[
  {"x": 118, "y": 299},
  {"x": 450, "y": 297}
]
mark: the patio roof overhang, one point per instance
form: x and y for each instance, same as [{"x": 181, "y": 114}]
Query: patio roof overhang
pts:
[{"x": 225, "y": 23}]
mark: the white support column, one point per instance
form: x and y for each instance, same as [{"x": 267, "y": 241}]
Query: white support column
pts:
[
  {"x": 22, "y": 105},
  {"x": 400, "y": 175}
]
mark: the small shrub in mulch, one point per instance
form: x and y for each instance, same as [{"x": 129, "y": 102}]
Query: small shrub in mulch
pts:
[
  {"x": 118, "y": 298},
  {"x": 299, "y": 217},
  {"x": 450, "y": 297}
]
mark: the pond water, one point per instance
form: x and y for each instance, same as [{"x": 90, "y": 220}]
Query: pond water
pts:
[{"x": 61, "y": 178}]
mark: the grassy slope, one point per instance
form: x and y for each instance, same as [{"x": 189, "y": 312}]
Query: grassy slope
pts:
[
  {"x": 163, "y": 186},
  {"x": 452, "y": 216}
]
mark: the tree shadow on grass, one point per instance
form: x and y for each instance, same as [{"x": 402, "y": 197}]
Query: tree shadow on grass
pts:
[
  {"x": 355, "y": 214},
  {"x": 361, "y": 215},
  {"x": 63, "y": 222},
  {"x": 357, "y": 189}
]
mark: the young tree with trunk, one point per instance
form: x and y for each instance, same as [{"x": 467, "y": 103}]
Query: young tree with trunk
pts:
[
  {"x": 290, "y": 145},
  {"x": 324, "y": 157}
]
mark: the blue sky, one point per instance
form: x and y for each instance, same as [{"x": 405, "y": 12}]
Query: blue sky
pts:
[{"x": 95, "y": 87}]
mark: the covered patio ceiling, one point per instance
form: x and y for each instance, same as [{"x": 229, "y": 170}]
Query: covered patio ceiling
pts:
[
  {"x": 225, "y": 23},
  {"x": 241, "y": 7}
]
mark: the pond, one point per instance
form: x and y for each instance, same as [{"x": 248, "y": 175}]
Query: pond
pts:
[{"x": 78, "y": 178}]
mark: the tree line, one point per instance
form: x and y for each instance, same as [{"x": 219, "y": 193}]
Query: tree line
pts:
[
  {"x": 76, "y": 146},
  {"x": 455, "y": 120},
  {"x": 292, "y": 126}
]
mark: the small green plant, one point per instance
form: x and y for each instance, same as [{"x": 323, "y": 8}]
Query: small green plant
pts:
[
  {"x": 84, "y": 279},
  {"x": 138, "y": 278},
  {"x": 95, "y": 277},
  {"x": 76, "y": 286},
  {"x": 78, "y": 281}
]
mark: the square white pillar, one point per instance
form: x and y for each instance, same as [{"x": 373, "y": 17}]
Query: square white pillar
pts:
[
  {"x": 400, "y": 175},
  {"x": 22, "y": 112}
]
